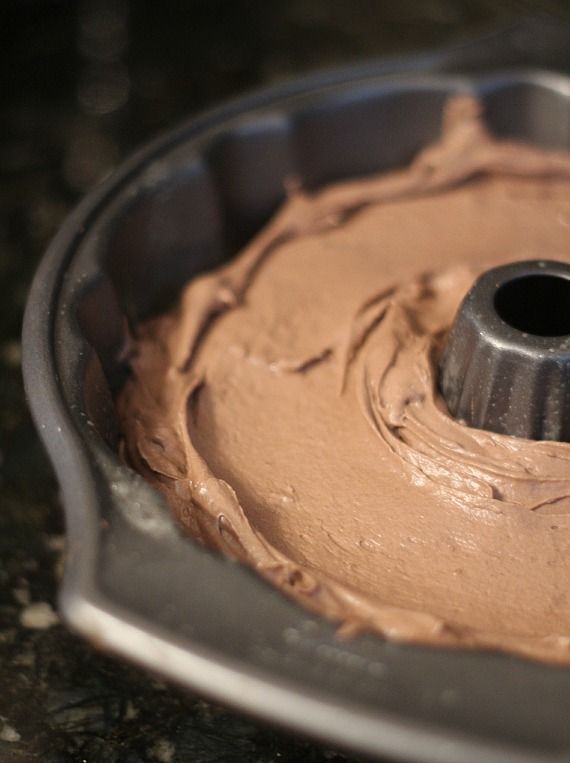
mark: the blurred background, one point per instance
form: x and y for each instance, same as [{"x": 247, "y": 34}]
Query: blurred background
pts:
[{"x": 83, "y": 84}]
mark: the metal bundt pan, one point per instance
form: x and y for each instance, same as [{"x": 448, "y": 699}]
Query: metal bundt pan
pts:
[{"x": 132, "y": 584}]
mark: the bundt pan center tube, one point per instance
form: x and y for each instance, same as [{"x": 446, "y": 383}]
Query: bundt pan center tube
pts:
[
  {"x": 506, "y": 367},
  {"x": 133, "y": 584}
]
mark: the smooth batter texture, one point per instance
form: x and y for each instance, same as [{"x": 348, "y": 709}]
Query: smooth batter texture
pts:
[{"x": 288, "y": 407}]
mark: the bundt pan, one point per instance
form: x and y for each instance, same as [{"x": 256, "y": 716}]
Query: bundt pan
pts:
[{"x": 133, "y": 585}]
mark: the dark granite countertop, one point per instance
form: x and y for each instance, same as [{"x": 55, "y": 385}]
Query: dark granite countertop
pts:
[{"x": 82, "y": 84}]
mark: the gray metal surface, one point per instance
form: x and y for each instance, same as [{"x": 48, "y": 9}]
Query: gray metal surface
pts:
[
  {"x": 133, "y": 585},
  {"x": 506, "y": 367}
]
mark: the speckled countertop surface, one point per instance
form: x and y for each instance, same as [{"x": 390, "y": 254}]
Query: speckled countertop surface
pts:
[{"x": 81, "y": 85}]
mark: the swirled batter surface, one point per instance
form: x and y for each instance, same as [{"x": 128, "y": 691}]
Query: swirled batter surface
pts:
[{"x": 288, "y": 406}]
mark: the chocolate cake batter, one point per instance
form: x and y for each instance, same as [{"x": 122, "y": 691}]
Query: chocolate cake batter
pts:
[{"x": 288, "y": 407}]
